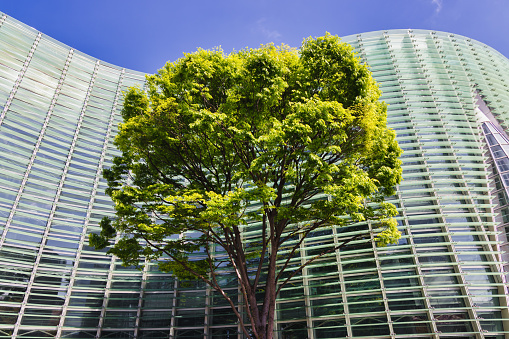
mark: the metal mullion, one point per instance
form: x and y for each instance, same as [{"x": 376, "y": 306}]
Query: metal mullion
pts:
[
  {"x": 141, "y": 295},
  {"x": 417, "y": 266},
  {"x": 140, "y": 300},
  {"x": 487, "y": 247},
  {"x": 240, "y": 301},
  {"x": 457, "y": 269},
  {"x": 59, "y": 190},
  {"x": 20, "y": 75},
  {"x": 34, "y": 152},
  {"x": 450, "y": 244},
  {"x": 342, "y": 283},
  {"x": 174, "y": 305},
  {"x": 305, "y": 285},
  {"x": 380, "y": 278},
  {"x": 92, "y": 199},
  {"x": 106, "y": 294},
  {"x": 427, "y": 174},
  {"x": 208, "y": 305},
  {"x": 375, "y": 252},
  {"x": 48, "y": 223}
]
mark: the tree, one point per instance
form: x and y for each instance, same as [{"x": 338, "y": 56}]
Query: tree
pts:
[{"x": 283, "y": 140}]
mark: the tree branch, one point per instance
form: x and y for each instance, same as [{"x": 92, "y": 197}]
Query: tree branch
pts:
[{"x": 344, "y": 243}]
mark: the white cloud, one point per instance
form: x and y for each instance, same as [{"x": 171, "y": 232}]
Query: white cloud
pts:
[
  {"x": 268, "y": 33},
  {"x": 438, "y": 4}
]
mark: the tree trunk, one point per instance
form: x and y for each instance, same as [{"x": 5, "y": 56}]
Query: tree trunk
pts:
[
  {"x": 271, "y": 291},
  {"x": 265, "y": 325}
]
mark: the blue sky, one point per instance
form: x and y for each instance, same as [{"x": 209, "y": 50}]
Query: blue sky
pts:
[{"x": 143, "y": 35}]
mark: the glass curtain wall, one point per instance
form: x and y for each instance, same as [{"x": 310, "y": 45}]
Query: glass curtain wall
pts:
[{"x": 59, "y": 111}]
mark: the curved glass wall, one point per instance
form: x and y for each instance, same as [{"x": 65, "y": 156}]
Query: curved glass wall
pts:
[{"x": 59, "y": 111}]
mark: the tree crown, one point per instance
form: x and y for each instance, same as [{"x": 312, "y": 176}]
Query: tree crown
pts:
[{"x": 289, "y": 139}]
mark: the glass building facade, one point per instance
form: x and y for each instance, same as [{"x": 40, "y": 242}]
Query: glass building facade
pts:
[{"x": 448, "y": 101}]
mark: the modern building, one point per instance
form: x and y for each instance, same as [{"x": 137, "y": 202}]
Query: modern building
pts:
[{"x": 448, "y": 101}]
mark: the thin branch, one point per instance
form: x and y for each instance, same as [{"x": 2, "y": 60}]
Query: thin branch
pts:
[
  {"x": 262, "y": 255},
  {"x": 243, "y": 286},
  {"x": 295, "y": 247},
  {"x": 344, "y": 243},
  {"x": 232, "y": 305},
  {"x": 200, "y": 276}
]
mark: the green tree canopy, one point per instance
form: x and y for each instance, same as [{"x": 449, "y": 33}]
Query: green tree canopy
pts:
[{"x": 283, "y": 140}]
